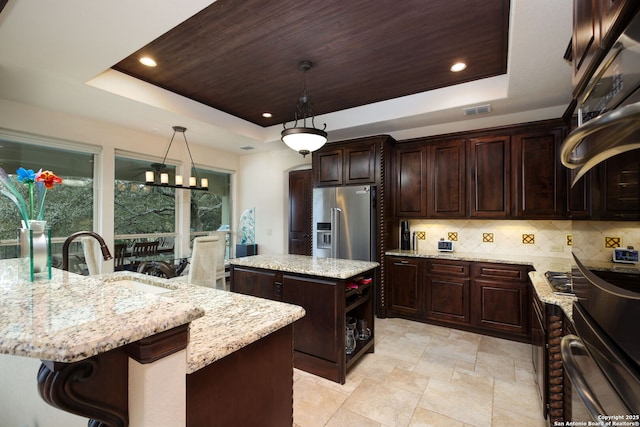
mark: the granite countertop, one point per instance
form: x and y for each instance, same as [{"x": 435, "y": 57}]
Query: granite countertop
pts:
[
  {"x": 71, "y": 317},
  {"x": 539, "y": 264},
  {"x": 301, "y": 264}
]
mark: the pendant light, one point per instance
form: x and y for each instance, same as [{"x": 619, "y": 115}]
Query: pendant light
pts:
[
  {"x": 149, "y": 176},
  {"x": 304, "y": 139}
]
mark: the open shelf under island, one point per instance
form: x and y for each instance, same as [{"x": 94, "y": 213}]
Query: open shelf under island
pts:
[{"x": 330, "y": 290}]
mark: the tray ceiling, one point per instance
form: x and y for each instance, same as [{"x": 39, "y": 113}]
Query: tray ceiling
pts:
[{"x": 241, "y": 57}]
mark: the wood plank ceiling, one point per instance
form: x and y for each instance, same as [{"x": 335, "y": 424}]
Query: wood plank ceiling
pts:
[{"x": 241, "y": 56}]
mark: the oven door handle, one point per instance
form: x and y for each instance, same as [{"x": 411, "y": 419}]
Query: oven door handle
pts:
[
  {"x": 577, "y": 377},
  {"x": 628, "y": 114}
]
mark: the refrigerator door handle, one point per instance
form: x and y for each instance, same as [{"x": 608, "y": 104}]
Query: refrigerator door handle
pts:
[{"x": 335, "y": 232}]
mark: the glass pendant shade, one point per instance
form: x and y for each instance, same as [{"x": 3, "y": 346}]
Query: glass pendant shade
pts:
[{"x": 304, "y": 140}]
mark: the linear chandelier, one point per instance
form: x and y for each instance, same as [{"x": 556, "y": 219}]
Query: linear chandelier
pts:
[
  {"x": 160, "y": 168},
  {"x": 304, "y": 139}
]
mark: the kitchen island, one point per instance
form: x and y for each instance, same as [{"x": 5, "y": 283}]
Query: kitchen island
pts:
[
  {"x": 94, "y": 334},
  {"x": 330, "y": 290}
]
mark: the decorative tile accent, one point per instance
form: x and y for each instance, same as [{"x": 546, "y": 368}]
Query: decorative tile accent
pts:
[
  {"x": 487, "y": 237},
  {"x": 528, "y": 239},
  {"x": 612, "y": 242},
  {"x": 569, "y": 239},
  {"x": 453, "y": 236},
  {"x": 422, "y": 235}
]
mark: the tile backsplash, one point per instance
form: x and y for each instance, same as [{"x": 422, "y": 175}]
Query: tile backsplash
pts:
[
  {"x": 595, "y": 239},
  {"x": 535, "y": 238}
]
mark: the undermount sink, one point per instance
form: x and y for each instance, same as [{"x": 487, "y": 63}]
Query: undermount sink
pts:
[{"x": 144, "y": 287}]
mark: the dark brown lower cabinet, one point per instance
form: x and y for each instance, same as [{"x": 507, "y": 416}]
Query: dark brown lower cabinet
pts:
[
  {"x": 500, "y": 295},
  {"x": 406, "y": 288},
  {"x": 448, "y": 291},
  {"x": 319, "y": 337},
  {"x": 489, "y": 298}
]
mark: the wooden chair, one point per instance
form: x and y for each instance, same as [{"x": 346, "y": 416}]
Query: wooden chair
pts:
[
  {"x": 144, "y": 249},
  {"x": 120, "y": 251}
]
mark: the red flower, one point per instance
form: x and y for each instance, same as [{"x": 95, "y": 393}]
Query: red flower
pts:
[{"x": 49, "y": 179}]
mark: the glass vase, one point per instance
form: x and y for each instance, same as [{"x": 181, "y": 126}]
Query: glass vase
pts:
[{"x": 35, "y": 249}]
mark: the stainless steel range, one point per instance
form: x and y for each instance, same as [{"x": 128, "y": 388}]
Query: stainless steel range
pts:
[{"x": 560, "y": 282}]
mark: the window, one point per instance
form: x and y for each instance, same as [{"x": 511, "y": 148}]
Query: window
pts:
[
  {"x": 210, "y": 209},
  {"x": 140, "y": 209},
  {"x": 68, "y": 207}
]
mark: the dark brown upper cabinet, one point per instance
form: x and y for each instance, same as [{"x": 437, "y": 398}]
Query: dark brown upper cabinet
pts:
[
  {"x": 596, "y": 26},
  {"x": 327, "y": 167},
  {"x": 490, "y": 176},
  {"x": 538, "y": 174},
  {"x": 447, "y": 183},
  {"x": 410, "y": 193},
  {"x": 353, "y": 162}
]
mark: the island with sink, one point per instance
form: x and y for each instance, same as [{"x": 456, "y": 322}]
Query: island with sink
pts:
[
  {"x": 332, "y": 291},
  {"x": 116, "y": 347}
]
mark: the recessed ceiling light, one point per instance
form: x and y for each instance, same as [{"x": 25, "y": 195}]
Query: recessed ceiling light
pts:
[
  {"x": 458, "y": 66},
  {"x": 267, "y": 115},
  {"x": 145, "y": 60}
]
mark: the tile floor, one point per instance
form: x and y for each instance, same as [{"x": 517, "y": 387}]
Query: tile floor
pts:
[{"x": 425, "y": 375}]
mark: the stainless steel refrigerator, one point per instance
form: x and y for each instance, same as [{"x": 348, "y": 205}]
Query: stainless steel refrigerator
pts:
[{"x": 344, "y": 222}]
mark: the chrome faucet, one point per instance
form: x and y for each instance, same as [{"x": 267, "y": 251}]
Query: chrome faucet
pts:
[{"x": 65, "y": 247}]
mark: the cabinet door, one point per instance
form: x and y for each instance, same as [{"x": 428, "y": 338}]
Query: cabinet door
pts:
[
  {"x": 263, "y": 284},
  {"x": 405, "y": 286},
  {"x": 489, "y": 180},
  {"x": 586, "y": 36},
  {"x": 621, "y": 186},
  {"x": 300, "y": 207},
  {"x": 539, "y": 179},
  {"x": 447, "y": 165},
  {"x": 411, "y": 182},
  {"x": 315, "y": 333},
  {"x": 328, "y": 167},
  {"x": 500, "y": 298},
  {"x": 360, "y": 164},
  {"x": 448, "y": 299},
  {"x": 579, "y": 196},
  {"x": 447, "y": 287}
]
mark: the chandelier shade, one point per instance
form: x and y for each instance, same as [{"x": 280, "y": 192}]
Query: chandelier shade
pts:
[
  {"x": 304, "y": 139},
  {"x": 160, "y": 169}
]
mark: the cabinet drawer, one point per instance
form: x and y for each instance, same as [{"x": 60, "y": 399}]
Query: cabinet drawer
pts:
[
  {"x": 493, "y": 271},
  {"x": 451, "y": 268}
]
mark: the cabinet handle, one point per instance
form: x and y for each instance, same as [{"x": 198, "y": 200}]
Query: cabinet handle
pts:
[{"x": 278, "y": 289}]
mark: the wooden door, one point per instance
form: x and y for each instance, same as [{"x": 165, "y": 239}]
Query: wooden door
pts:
[
  {"x": 489, "y": 177},
  {"x": 300, "y": 211},
  {"x": 411, "y": 182},
  {"x": 318, "y": 333},
  {"x": 539, "y": 179},
  {"x": 328, "y": 168},
  {"x": 262, "y": 284},
  {"x": 447, "y": 285},
  {"x": 360, "y": 164},
  {"x": 405, "y": 286},
  {"x": 447, "y": 165}
]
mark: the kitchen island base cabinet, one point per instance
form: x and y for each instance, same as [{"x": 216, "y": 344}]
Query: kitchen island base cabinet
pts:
[
  {"x": 250, "y": 387},
  {"x": 319, "y": 338}
]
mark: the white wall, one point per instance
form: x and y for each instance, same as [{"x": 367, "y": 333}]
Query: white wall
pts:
[
  {"x": 263, "y": 184},
  {"x": 20, "y": 403}
]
